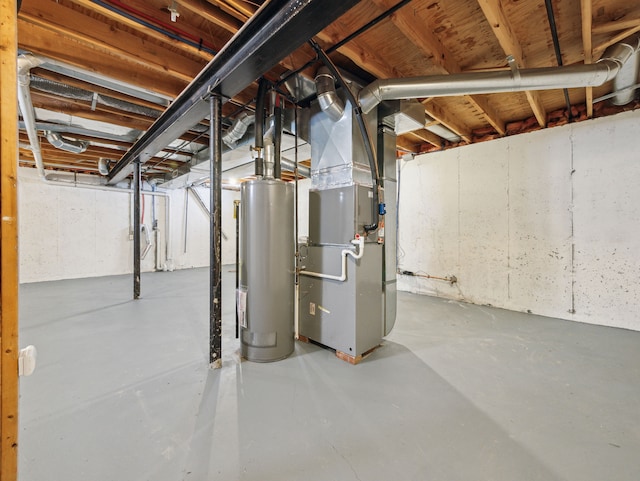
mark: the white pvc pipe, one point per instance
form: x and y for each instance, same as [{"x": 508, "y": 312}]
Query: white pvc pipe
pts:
[
  {"x": 358, "y": 241},
  {"x": 25, "y": 64}
]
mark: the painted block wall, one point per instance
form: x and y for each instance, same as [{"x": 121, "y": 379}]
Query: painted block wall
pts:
[
  {"x": 68, "y": 232},
  {"x": 546, "y": 222}
]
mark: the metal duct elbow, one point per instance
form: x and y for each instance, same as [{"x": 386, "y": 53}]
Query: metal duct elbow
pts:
[
  {"x": 237, "y": 129},
  {"x": 370, "y": 96},
  {"x": 103, "y": 166},
  {"x": 59, "y": 142},
  {"x": 627, "y": 54},
  {"x": 328, "y": 99}
]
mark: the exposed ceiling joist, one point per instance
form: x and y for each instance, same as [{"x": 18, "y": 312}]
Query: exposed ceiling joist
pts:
[
  {"x": 442, "y": 116},
  {"x": 431, "y": 46},
  {"x": 601, "y": 47},
  {"x": 125, "y": 48},
  {"x": 213, "y": 14},
  {"x": 495, "y": 15},
  {"x": 112, "y": 14},
  {"x": 115, "y": 42},
  {"x": 587, "y": 20}
]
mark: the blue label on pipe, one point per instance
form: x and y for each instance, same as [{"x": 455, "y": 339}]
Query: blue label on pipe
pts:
[{"x": 381, "y": 209}]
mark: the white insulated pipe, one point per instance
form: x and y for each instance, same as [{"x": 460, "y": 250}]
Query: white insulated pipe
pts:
[
  {"x": 358, "y": 241},
  {"x": 25, "y": 64}
]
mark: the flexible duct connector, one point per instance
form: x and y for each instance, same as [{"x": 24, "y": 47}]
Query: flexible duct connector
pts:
[
  {"x": 237, "y": 130},
  {"x": 591, "y": 75},
  {"x": 59, "y": 142},
  {"x": 328, "y": 99}
]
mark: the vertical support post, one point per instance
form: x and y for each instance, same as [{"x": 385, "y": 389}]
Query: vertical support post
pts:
[
  {"x": 277, "y": 144},
  {"x": 8, "y": 242},
  {"x": 236, "y": 216},
  {"x": 215, "y": 222},
  {"x": 136, "y": 228}
]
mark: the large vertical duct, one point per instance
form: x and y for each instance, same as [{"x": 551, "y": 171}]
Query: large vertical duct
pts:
[{"x": 266, "y": 294}]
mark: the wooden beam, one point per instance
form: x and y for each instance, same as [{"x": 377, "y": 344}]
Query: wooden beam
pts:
[
  {"x": 8, "y": 242},
  {"x": 625, "y": 23},
  {"x": 599, "y": 50},
  {"x": 482, "y": 104},
  {"x": 587, "y": 45},
  {"x": 427, "y": 136},
  {"x": 438, "y": 113},
  {"x": 57, "y": 46},
  {"x": 212, "y": 14},
  {"x": 424, "y": 38},
  {"x": 403, "y": 143},
  {"x": 161, "y": 37},
  {"x": 238, "y": 8},
  {"x": 510, "y": 44},
  {"x": 102, "y": 36}
]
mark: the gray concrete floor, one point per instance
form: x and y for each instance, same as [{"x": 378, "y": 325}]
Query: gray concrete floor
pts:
[{"x": 122, "y": 391}]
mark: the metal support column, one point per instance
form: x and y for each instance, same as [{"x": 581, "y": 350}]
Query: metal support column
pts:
[
  {"x": 136, "y": 228},
  {"x": 236, "y": 216},
  {"x": 215, "y": 234}
]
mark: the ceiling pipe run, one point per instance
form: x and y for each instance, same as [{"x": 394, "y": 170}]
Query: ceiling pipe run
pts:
[{"x": 590, "y": 75}]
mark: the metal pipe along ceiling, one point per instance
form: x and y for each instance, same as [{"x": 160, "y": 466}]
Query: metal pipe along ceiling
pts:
[{"x": 591, "y": 75}]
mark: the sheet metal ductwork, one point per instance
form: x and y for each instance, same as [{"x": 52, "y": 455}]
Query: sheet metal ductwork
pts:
[
  {"x": 627, "y": 78},
  {"x": 62, "y": 90},
  {"x": 328, "y": 98},
  {"x": 237, "y": 130},
  {"x": 591, "y": 75},
  {"x": 59, "y": 142}
]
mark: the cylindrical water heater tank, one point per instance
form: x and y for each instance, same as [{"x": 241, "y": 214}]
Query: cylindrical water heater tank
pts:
[{"x": 267, "y": 268}]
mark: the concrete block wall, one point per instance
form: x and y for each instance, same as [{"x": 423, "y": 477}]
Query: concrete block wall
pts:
[
  {"x": 68, "y": 232},
  {"x": 546, "y": 222}
]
